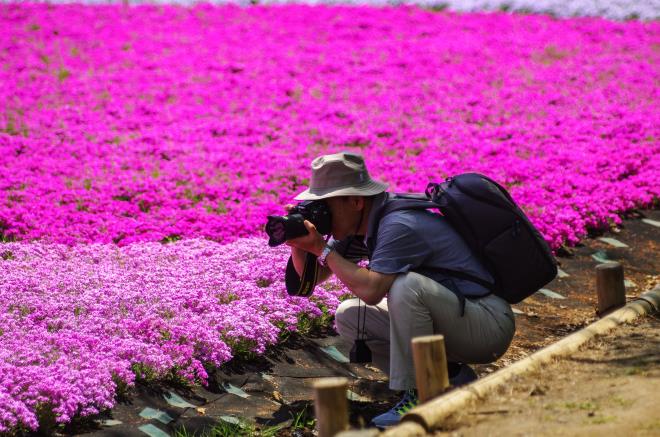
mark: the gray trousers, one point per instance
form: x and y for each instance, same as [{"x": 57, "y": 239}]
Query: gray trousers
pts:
[{"x": 416, "y": 306}]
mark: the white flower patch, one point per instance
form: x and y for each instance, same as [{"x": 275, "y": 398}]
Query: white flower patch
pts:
[{"x": 614, "y": 9}]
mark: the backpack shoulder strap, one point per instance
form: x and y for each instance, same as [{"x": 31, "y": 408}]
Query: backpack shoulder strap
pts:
[
  {"x": 403, "y": 203},
  {"x": 398, "y": 203},
  {"x": 415, "y": 201}
]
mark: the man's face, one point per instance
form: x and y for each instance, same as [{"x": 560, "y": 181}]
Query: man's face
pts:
[{"x": 346, "y": 212}]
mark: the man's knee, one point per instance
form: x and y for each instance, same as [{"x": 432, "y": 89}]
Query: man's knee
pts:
[
  {"x": 403, "y": 289},
  {"x": 346, "y": 318}
]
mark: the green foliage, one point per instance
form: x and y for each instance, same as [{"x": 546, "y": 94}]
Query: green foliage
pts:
[
  {"x": 305, "y": 323},
  {"x": 195, "y": 198},
  {"x": 438, "y": 7},
  {"x": 167, "y": 314},
  {"x": 174, "y": 378},
  {"x": 143, "y": 372},
  {"x": 227, "y": 298},
  {"x": 219, "y": 209},
  {"x": 621, "y": 402},
  {"x": 145, "y": 207},
  {"x": 46, "y": 417},
  {"x": 81, "y": 205},
  {"x": 171, "y": 238},
  {"x": 599, "y": 420},
  {"x": 22, "y": 310},
  {"x": 263, "y": 282},
  {"x": 551, "y": 54},
  {"x": 359, "y": 144},
  {"x": 7, "y": 255},
  {"x": 121, "y": 388},
  {"x": 587, "y": 405},
  {"x": 652, "y": 426},
  {"x": 15, "y": 125},
  {"x": 326, "y": 317},
  {"x": 631, "y": 371},
  {"x": 242, "y": 427},
  {"x": 63, "y": 74},
  {"x": 242, "y": 348},
  {"x": 303, "y": 418}
]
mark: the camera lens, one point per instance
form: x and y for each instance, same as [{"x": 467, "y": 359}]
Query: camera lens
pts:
[{"x": 276, "y": 230}]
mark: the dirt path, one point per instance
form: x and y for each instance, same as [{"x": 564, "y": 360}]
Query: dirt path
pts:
[{"x": 609, "y": 388}]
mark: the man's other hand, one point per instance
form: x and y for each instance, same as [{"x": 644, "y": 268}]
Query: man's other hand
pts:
[{"x": 312, "y": 242}]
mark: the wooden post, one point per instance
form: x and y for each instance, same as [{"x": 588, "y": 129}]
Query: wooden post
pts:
[
  {"x": 430, "y": 366},
  {"x": 331, "y": 406},
  {"x": 610, "y": 287}
]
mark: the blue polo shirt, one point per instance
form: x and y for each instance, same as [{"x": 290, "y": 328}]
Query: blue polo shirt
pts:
[{"x": 420, "y": 241}]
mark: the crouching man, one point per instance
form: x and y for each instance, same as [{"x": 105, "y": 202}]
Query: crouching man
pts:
[{"x": 406, "y": 294}]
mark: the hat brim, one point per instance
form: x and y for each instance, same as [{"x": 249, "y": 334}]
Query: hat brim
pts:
[{"x": 370, "y": 188}]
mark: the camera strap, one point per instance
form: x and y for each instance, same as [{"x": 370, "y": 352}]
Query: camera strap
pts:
[{"x": 303, "y": 285}]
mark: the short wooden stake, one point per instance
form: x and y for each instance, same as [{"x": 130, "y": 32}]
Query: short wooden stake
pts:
[
  {"x": 430, "y": 366},
  {"x": 610, "y": 287},
  {"x": 331, "y": 406}
]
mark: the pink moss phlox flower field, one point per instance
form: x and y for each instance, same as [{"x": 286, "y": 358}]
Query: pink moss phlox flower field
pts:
[
  {"x": 121, "y": 127},
  {"x": 87, "y": 315},
  {"x": 140, "y": 123}
]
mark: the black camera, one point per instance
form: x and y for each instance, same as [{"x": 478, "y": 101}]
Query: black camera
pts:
[{"x": 282, "y": 228}]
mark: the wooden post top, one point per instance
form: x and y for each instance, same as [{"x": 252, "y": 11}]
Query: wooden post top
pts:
[
  {"x": 428, "y": 338},
  {"x": 609, "y": 265}
]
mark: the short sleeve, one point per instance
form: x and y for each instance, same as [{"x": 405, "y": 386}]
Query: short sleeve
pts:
[{"x": 399, "y": 249}]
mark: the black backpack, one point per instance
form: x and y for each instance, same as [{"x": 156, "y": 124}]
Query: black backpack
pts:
[{"x": 493, "y": 226}]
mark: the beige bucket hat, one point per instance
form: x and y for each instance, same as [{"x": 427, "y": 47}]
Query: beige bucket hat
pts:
[{"x": 340, "y": 174}]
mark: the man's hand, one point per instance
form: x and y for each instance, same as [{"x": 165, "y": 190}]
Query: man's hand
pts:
[{"x": 312, "y": 242}]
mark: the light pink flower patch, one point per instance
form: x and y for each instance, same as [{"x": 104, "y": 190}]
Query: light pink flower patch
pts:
[{"x": 74, "y": 322}]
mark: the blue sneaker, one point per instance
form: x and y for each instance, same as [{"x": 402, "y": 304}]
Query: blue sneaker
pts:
[
  {"x": 393, "y": 416},
  {"x": 463, "y": 376}
]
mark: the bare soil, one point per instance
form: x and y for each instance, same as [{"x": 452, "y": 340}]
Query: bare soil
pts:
[{"x": 608, "y": 388}]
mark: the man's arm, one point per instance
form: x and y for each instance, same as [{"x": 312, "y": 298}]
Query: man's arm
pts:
[{"x": 369, "y": 286}]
